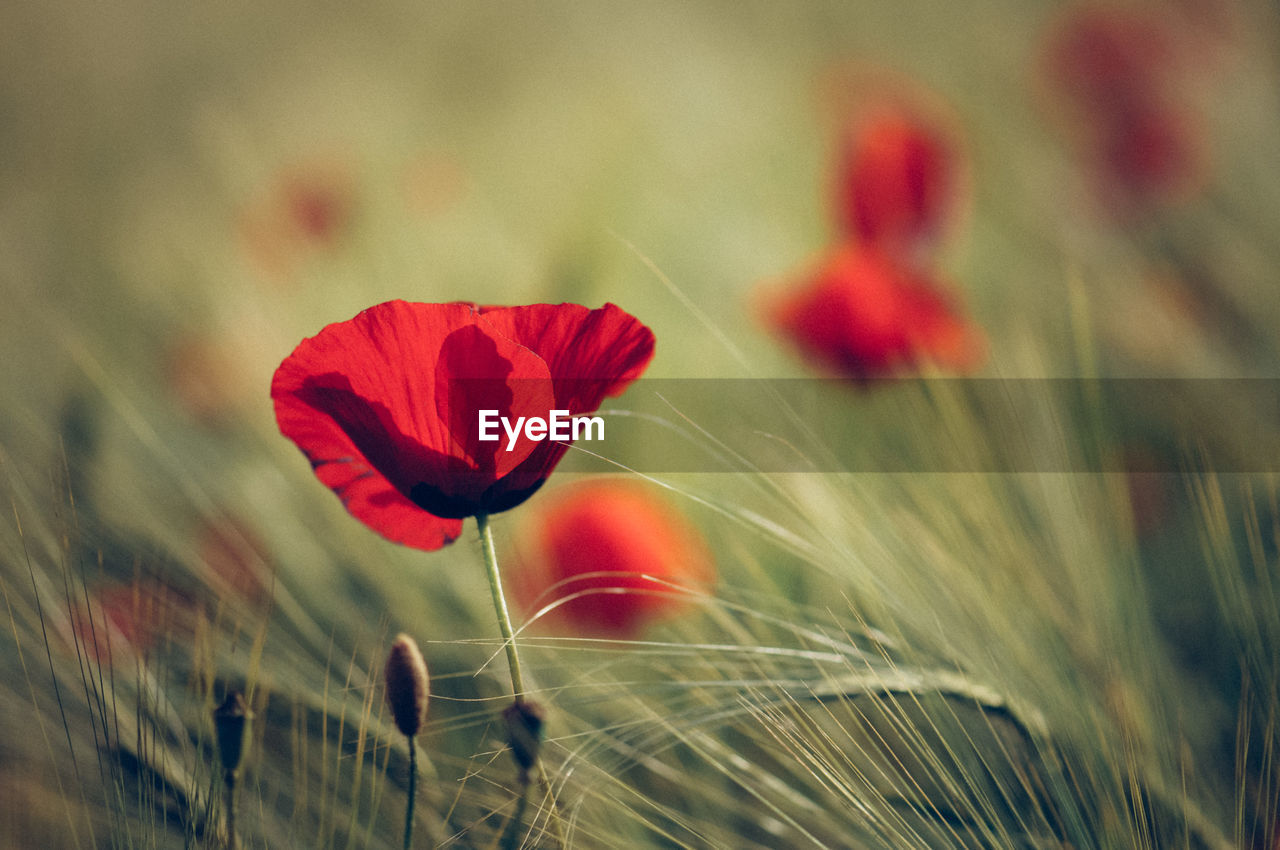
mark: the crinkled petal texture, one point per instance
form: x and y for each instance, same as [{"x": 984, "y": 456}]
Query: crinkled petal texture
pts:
[
  {"x": 386, "y": 405},
  {"x": 865, "y": 316}
]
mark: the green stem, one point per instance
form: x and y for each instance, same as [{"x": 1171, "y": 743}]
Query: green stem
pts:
[
  {"x": 513, "y": 656},
  {"x": 413, "y": 794},
  {"x": 500, "y": 604},
  {"x": 511, "y": 836}
]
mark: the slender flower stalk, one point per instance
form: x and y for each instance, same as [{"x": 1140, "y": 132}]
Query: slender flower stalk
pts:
[
  {"x": 500, "y": 605},
  {"x": 231, "y": 727},
  {"x": 529, "y": 714}
]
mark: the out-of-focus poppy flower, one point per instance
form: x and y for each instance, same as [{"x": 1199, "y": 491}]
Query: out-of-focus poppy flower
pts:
[
  {"x": 1157, "y": 153},
  {"x": 386, "y": 405},
  {"x": 896, "y": 182},
  {"x": 864, "y": 316},
  {"x": 615, "y": 552},
  {"x": 129, "y": 619},
  {"x": 307, "y": 209},
  {"x": 1109, "y": 60},
  {"x": 1118, "y": 82}
]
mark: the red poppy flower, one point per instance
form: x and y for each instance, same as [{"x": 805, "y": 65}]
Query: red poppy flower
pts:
[
  {"x": 386, "y": 405},
  {"x": 1118, "y": 82},
  {"x": 1108, "y": 60},
  {"x": 1151, "y": 154},
  {"x": 308, "y": 209},
  {"x": 612, "y": 550},
  {"x": 124, "y": 619},
  {"x": 865, "y": 316},
  {"x": 896, "y": 183}
]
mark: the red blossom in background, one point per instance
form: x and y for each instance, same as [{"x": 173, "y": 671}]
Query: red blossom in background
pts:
[
  {"x": 873, "y": 307},
  {"x": 896, "y": 182},
  {"x": 306, "y": 210},
  {"x": 1118, "y": 80},
  {"x": 122, "y": 620},
  {"x": 616, "y": 549},
  {"x": 1156, "y": 153},
  {"x": 1110, "y": 60},
  {"x": 864, "y": 316},
  {"x": 385, "y": 405}
]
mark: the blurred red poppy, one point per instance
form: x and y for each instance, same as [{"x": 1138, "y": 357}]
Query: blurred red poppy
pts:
[
  {"x": 386, "y": 405},
  {"x": 615, "y": 552},
  {"x": 120, "y": 620},
  {"x": 863, "y": 315},
  {"x": 1157, "y": 153},
  {"x": 307, "y": 209},
  {"x": 1119, "y": 81},
  {"x": 896, "y": 182},
  {"x": 1108, "y": 60}
]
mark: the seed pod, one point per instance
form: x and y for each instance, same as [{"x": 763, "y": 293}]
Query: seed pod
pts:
[
  {"x": 231, "y": 726},
  {"x": 408, "y": 687}
]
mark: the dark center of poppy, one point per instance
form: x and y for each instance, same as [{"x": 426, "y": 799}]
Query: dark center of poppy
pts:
[{"x": 494, "y": 499}]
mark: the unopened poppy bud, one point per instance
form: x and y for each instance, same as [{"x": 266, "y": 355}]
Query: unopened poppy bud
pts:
[
  {"x": 524, "y": 731},
  {"x": 231, "y": 726},
  {"x": 408, "y": 687}
]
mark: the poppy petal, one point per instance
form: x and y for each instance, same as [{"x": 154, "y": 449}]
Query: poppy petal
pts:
[
  {"x": 866, "y": 316},
  {"x": 896, "y": 185},
  {"x": 592, "y": 354},
  {"x": 370, "y": 453},
  {"x": 479, "y": 370}
]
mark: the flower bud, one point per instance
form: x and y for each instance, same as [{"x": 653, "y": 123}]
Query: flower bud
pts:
[
  {"x": 525, "y": 721},
  {"x": 408, "y": 687},
  {"x": 231, "y": 726}
]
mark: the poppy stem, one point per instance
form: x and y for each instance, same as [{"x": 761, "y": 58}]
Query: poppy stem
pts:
[
  {"x": 500, "y": 605},
  {"x": 513, "y": 661},
  {"x": 233, "y": 840},
  {"x": 413, "y": 793}
]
